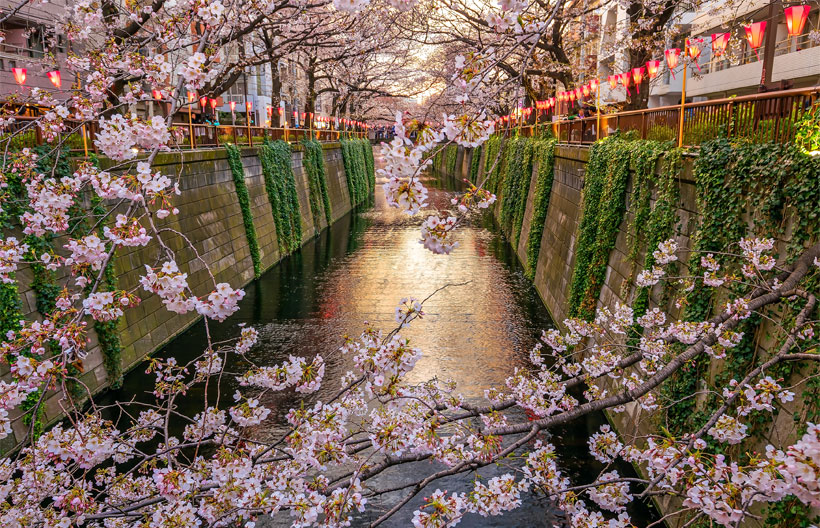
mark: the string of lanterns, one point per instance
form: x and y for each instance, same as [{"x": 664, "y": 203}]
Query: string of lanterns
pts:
[
  {"x": 21, "y": 75},
  {"x": 796, "y": 17}
]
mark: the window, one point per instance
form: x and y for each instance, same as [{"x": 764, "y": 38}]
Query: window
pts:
[{"x": 35, "y": 45}]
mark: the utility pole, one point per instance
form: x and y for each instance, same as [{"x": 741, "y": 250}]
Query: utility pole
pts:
[{"x": 768, "y": 50}]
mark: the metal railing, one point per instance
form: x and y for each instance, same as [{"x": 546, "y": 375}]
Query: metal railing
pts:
[
  {"x": 79, "y": 137},
  {"x": 761, "y": 117}
]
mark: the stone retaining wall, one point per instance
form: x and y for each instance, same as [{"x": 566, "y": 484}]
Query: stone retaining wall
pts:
[
  {"x": 556, "y": 261},
  {"x": 210, "y": 216}
]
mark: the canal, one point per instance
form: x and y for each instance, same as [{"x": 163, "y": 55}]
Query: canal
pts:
[{"x": 356, "y": 271}]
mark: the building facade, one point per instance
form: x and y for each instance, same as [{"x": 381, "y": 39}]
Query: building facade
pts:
[{"x": 736, "y": 71}]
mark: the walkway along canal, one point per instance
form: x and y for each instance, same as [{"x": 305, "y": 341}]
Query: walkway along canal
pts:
[{"x": 357, "y": 271}]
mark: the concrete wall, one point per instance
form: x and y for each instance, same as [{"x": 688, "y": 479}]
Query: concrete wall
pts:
[{"x": 210, "y": 216}]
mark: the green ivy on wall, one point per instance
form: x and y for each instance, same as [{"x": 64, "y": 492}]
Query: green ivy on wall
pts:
[
  {"x": 280, "y": 186},
  {"x": 314, "y": 160},
  {"x": 357, "y": 156},
  {"x": 475, "y": 163},
  {"x": 238, "y": 173},
  {"x": 746, "y": 189},
  {"x": 492, "y": 163},
  {"x": 370, "y": 164},
  {"x": 544, "y": 159},
  {"x": 603, "y": 198},
  {"x": 516, "y": 187},
  {"x": 450, "y": 156},
  {"x": 658, "y": 224}
]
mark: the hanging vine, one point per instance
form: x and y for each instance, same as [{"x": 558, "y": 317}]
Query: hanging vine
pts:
[
  {"x": 544, "y": 159},
  {"x": 238, "y": 173},
  {"x": 451, "y": 155},
  {"x": 605, "y": 184},
  {"x": 475, "y": 163},
  {"x": 370, "y": 164},
  {"x": 659, "y": 224},
  {"x": 361, "y": 179},
  {"x": 280, "y": 186},
  {"x": 314, "y": 160},
  {"x": 516, "y": 187},
  {"x": 742, "y": 189},
  {"x": 492, "y": 164}
]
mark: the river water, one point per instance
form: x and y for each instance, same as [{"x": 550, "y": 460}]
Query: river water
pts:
[{"x": 357, "y": 271}]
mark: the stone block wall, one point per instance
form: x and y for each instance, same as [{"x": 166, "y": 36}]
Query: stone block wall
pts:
[
  {"x": 556, "y": 261},
  {"x": 211, "y": 218}
]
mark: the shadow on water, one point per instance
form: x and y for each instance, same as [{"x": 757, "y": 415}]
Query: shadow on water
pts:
[{"x": 356, "y": 271}]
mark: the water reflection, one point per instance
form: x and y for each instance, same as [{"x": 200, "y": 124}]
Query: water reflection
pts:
[{"x": 357, "y": 271}]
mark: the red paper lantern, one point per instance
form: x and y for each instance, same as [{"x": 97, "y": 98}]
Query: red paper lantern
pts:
[
  {"x": 693, "y": 50},
  {"x": 652, "y": 68},
  {"x": 593, "y": 84},
  {"x": 157, "y": 94},
  {"x": 249, "y": 106},
  {"x": 269, "y": 108},
  {"x": 638, "y": 74},
  {"x": 19, "y": 75},
  {"x": 213, "y": 104},
  {"x": 232, "y": 105},
  {"x": 56, "y": 80},
  {"x": 203, "y": 102},
  {"x": 191, "y": 97},
  {"x": 625, "y": 78},
  {"x": 719, "y": 42},
  {"x": 613, "y": 81},
  {"x": 585, "y": 89},
  {"x": 572, "y": 95},
  {"x": 796, "y": 19},
  {"x": 754, "y": 34},
  {"x": 672, "y": 57}
]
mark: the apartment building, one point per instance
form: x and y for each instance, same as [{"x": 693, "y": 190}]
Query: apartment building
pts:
[
  {"x": 30, "y": 41},
  {"x": 273, "y": 109},
  {"x": 736, "y": 71}
]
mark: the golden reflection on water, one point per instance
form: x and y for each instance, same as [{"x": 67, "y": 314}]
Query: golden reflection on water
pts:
[{"x": 470, "y": 333}]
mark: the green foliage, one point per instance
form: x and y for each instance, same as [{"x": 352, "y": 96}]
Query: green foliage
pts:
[
  {"x": 370, "y": 164},
  {"x": 807, "y": 130},
  {"x": 280, "y": 186},
  {"x": 450, "y": 156},
  {"x": 516, "y": 187},
  {"x": 238, "y": 173},
  {"x": 314, "y": 160},
  {"x": 658, "y": 225},
  {"x": 357, "y": 155},
  {"x": 493, "y": 163},
  {"x": 475, "y": 163},
  {"x": 789, "y": 512},
  {"x": 743, "y": 188},
  {"x": 604, "y": 205},
  {"x": 544, "y": 159}
]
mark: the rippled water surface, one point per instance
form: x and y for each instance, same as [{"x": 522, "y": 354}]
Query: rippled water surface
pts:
[{"x": 356, "y": 271}]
